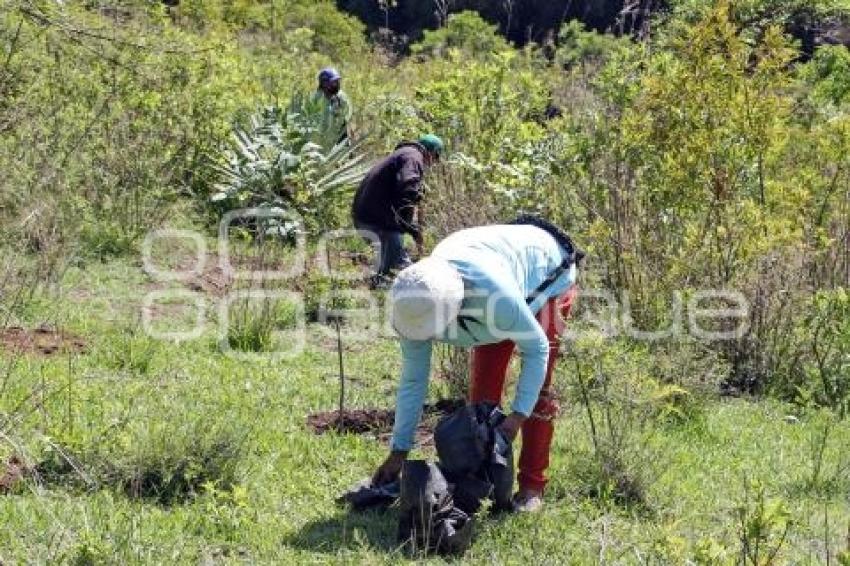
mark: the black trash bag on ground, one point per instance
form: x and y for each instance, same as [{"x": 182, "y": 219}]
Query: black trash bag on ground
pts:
[
  {"x": 428, "y": 517},
  {"x": 364, "y": 495},
  {"x": 437, "y": 502},
  {"x": 461, "y": 441},
  {"x": 469, "y": 492},
  {"x": 499, "y": 471},
  {"x": 474, "y": 452}
]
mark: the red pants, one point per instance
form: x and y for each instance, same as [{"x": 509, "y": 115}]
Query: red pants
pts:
[{"x": 489, "y": 369}]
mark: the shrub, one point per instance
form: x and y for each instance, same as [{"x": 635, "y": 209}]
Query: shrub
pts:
[
  {"x": 578, "y": 45},
  {"x": 621, "y": 403},
  {"x": 816, "y": 367},
  {"x": 169, "y": 462},
  {"x": 253, "y": 324},
  {"x": 466, "y": 32},
  {"x": 289, "y": 161},
  {"x": 763, "y": 525}
]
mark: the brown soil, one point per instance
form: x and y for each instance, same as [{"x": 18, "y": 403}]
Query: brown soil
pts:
[
  {"x": 357, "y": 421},
  {"x": 356, "y": 258},
  {"x": 214, "y": 280},
  {"x": 42, "y": 340},
  {"x": 380, "y": 421},
  {"x": 15, "y": 471}
]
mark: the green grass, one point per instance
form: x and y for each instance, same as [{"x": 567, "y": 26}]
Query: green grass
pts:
[{"x": 132, "y": 404}]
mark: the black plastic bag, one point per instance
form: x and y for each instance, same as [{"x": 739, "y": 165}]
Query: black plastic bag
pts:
[
  {"x": 364, "y": 495},
  {"x": 428, "y": 517},
  {"x": 472, "y": 449},
  {"x": 461, "y": 442}
]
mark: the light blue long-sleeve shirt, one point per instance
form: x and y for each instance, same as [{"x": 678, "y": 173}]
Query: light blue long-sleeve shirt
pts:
[{"x": 500, "y": 265}]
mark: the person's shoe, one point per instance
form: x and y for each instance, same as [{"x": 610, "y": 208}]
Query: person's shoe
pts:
[{"x": 528, "y": 501}]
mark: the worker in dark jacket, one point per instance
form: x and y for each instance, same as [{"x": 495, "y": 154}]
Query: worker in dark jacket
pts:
[{"x": 388, "y": 199}]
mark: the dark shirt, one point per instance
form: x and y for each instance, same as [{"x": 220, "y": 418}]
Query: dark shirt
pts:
[{"x": 391, "y": 189}]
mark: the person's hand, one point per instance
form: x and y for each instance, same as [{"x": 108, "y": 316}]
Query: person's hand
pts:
[
  {"x": 511, "y": 425},
  {"x": 420, "y": 244},
  {"x": 389, "y": 471}
]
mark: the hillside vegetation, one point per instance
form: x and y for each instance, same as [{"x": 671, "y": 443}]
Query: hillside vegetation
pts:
[{"x": 700, "y": 156}]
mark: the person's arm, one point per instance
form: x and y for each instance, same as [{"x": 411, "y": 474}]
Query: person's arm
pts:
[
  {"x": 412, "y": 391},
  {"x": 420, "y": 222},
  {"x": 409, "y": 203},
  {"x": 517, "y": 321},
  {"x": 347, "y": 110}
]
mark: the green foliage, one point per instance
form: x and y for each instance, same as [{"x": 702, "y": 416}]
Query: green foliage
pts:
[
  {"x": 290, "y": 161},
  {"x": 79, "y": 102},
  {"x": 817, "y": 369},
  {"x": 130, "y": 351},
  {"x": 465, "y": 32},
  {"x": 763, "y": 525},
  {"x": 619, "y": 401},
  {"x": 476, "y": 103},
  {"x": 169, "y": 463},
  {"x": 759, "y": 14},
  {"x": 297, "y": 26},
  {"x": 829, "y": 74},
  {"x": 578, "y": 45},
  {"x": 253, "y": 323}
]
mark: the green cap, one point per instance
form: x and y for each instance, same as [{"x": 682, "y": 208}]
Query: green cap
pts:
[{"x": 432, "y": 143}]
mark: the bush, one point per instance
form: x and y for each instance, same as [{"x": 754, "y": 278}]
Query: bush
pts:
[
  {"x": 466, "y": 32},
  {"x": 622, "y": 403},
  {"x": 815, "y": 370},
  {"x": 578, "y": 45},
  {"x": 169, "y": 462},
  {"x": 252, "y": 325},
  {"x": 290, "y": 162}
]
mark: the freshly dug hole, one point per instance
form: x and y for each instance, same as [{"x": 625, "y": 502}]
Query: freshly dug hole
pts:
[{"x": 378, "y": 421}]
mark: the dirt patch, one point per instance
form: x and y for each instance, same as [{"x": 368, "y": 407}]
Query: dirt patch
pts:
[
  {"x": 357, "y": 421},
  {"x": 15, "y": 470},
  {"x": 42, "y": 340},
  {"x": 218, "y": 282},
  {"x": 380, "y": 421},
  {"x": 356, "y": 258},
  {"x": 329, "y": 343},
  {"x": 213, "y": 280}
]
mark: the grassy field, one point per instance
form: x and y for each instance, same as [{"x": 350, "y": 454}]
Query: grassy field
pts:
[{"x": 247, "y": 481}]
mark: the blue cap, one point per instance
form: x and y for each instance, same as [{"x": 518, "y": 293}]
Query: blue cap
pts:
[{"x": 329, "y": 74}]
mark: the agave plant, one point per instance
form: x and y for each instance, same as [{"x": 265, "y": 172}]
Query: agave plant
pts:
[{"x": 290, "y": 160}]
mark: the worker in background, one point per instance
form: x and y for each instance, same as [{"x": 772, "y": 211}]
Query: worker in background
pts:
[
  {"x": 387, "y": 203},
  {"x": 336, "y": 108}
]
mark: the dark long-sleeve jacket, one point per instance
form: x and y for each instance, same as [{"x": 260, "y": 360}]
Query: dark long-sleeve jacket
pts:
[{"x": 388, "y": 194}]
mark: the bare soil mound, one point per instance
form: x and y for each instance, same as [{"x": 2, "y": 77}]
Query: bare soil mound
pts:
[
  {"x": 13, "y": 471},
  {"x": 380, "y": 421},
  {"x": 42, "y": 340}
]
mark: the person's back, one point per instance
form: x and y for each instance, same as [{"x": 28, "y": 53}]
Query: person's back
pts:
[
  {"x": 390, "y": 186},
  {"x": 387, "y": 201},
  {"x": 503, "y": 255}
]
